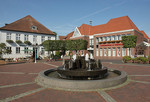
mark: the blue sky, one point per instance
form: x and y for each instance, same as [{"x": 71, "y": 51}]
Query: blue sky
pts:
[{"x": 62, "y": 16}]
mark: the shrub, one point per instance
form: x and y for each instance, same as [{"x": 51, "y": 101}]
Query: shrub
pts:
[
  {"x": 143, "y": 59},
  {"x": 28, "y": 42},
  {"x": 133, "y": 60},
  {"x": 149, "y": 57},
  {"x": 18, "y": 41},
  {"x": 10, "y": 41},
  {"x": 126, "y": 58}
]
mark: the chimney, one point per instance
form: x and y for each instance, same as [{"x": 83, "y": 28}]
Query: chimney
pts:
[
  {"x": 90, "y": 22},
  {"x": 6, "y": 24}
]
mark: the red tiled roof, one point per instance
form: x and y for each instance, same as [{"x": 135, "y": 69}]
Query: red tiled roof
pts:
[
  {"x": 69, "y": 35},
  {"x": 25, "y": 25},
  {"x": 145, "y": 35},
  {"x": 61, "y": 37},
  {"x": 85, "y": 29},
  {"x": 115, "y": 24}
]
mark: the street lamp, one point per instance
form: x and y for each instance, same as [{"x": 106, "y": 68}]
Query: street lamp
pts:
[{"x": 35, "y": 48}]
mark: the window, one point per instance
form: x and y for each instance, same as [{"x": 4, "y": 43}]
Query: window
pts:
[
  {"x": 17, "y": 49},
  {"x": 123, "y": 51},
  {"x": 109, "y": 51},
  {"x": 101, "y": 54},
  {"x": 9, "y": 50},
  {"x": 42, "y": 51},
  {"x": 113, "y": 38},
  {"x": 101, "y": 39},
  {"x": 26, "y": 37},
  {"x": 119, "y": 37},
  {"x": 128, "y": 34},
  {"x": 35, "y": 39},
  {"x": 92, "y": 42},
  {"x": 17, "y": 37},
  {"x": 42, "y": 38},
  {"x": 34, "y": 27},
  {"x": 114, "y": 51},
  {"x": 8, "y": 37},
  {"x": 105, "y": 38},
  {"x": 49, "y": 38},
  {"x": 128, "y": 52},
  {"x": 97, "y": 52},
  {"x": 105, "y": 51},
  {"x": 26, "y": 50},
  {"x": 118, "y": 51},
  {"x": 109, "y": 38}
]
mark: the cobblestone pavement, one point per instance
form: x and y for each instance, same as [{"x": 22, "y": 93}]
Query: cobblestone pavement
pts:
[{"x": 17, "y": 85}]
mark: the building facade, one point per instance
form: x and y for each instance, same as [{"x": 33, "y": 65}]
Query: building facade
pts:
[
  {"x": 22, "y": 35},
  {"x": 105, "y": 41}
]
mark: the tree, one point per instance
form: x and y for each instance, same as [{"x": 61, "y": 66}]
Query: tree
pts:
[
  {"x": 129, "y": 41},
  {"x": 76, "y": 45},
  {"x": 55, "y": 35},
  {"x": 63, "y": 45},
  {"x": 3, "y": 49}
]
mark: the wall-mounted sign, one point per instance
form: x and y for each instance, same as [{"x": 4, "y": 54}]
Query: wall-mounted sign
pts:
[{"x": 111, "y": 44}]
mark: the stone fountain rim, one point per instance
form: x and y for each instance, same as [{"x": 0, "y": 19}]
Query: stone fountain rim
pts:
[{"x": 50, "y": 82}]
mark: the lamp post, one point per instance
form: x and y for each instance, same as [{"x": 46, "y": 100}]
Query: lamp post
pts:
[{"x": 35, "y": 48}]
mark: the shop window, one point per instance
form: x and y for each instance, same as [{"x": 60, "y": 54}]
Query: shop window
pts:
[
  {"x": 114, "y": 51},
  {"x": 101, "y": 52}
]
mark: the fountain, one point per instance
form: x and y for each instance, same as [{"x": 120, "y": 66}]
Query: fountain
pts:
[
  {"x": 81, "y": 74},
  {"x": 80, "y": 69}
]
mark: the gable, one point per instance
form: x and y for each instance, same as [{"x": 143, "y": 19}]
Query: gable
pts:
[{"x": 76, "y": 32}]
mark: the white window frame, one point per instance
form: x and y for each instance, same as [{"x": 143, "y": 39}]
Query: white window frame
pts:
[
  {"x": 123, "y": 52},
  {"x": 17, "y": 37},
  {"x": 105, "y": 52},
  {"x": 8, "y": 36},
  {"x": 97, "y": 52},
  {"x": 42, "y": 38},
  {"x": 113, "y": 51},
  {"x": 34, "y": 39},
  {"x": 109, "y": 51},
  {"x": 26, "y": 37},
  {"x": 49, "y": 38},
  {"x": 118, "y": 52},
  {"x": 101, "y": 52},
  {"x": 17, "y": 50}
]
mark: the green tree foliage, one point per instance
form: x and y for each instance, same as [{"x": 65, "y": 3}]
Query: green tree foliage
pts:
[
  {"x": 129, "y": 41},
  {"x": 63, "y": 45},
  {"x": 3, "y": 49},
  {"x": 76, "y": 45}
]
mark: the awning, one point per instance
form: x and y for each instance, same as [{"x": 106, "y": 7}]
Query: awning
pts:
[{"x": 27, "y": 50}]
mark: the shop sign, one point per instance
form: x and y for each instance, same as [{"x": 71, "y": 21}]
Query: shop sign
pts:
[{"x": 111, "y": 44}]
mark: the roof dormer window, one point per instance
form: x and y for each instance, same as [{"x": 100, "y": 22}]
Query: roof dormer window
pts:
[{"x": 34, "y": 28}]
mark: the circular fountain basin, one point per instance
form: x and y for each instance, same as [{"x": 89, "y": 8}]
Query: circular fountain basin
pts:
[
  {"x": 51, "y": 79},
  {"x": 82, "y": 74}
]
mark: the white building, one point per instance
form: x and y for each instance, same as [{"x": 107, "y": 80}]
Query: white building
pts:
[{"x": 25, "y": 30}]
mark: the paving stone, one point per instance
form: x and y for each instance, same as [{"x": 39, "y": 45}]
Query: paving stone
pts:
[
  {"x": 7, "y": 79},
  {"x": 51, "y": 95},
  {"x": 141, "y": 78},
  {"x": 26, "y": 68},
  {"x": 133, "y": 92},
  {"x": 12, "y": 91}
]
